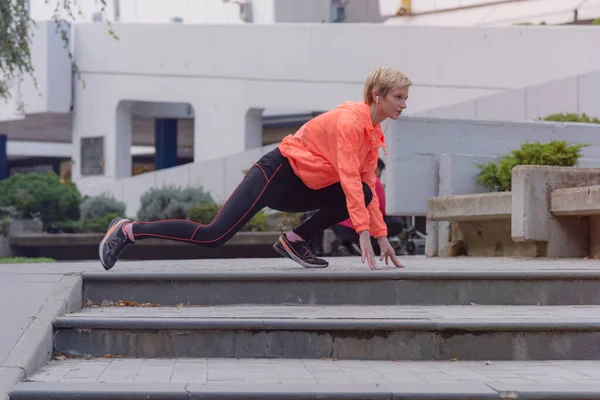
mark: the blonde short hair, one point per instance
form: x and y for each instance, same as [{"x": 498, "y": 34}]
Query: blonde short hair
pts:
[{"x": 382, "y": 80}]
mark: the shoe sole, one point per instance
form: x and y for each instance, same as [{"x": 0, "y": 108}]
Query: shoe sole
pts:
[
  {"x": 114, "y": 224},
  {"x": 280, "y": 248}
]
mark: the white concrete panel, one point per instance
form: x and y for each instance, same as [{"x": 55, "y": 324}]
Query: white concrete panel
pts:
[
  {"x": 133, "y": 189},
  {"x": 465, "y": 109},
  {"x": 497, "y": 58},
  {"x": 554, "y": 97},
  {"x": 421, "y": 140},
  {"x": 235, "y": 167},
  {"x": 211, "y": 176},
  {"x": 178, "y": 176},
  {"x": 416, "y": 179},
  {"x": 52, "y": 66},
  {"x": 458, "y": 174},
  {"x": 589, "y": 94},
  {"x": 505, "y": 106}
]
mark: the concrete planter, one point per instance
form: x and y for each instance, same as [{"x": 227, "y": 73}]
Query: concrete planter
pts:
[
  {"x": 551, "y": 212},
  {"x": 24, "y": 226}
]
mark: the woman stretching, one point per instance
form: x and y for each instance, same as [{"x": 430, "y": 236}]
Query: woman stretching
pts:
[{"x": 328, "y": 165}]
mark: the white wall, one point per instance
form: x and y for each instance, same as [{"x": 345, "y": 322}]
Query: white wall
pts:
[
  {"x": 53, "y": 74},
  {"x": 418, "y": 142},
  {"x": 578, "y": 94},
  {"x": 236, "y": 68}
]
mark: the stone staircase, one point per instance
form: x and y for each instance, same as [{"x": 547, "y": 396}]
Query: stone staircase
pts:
[{"x": 332, "y": 334}]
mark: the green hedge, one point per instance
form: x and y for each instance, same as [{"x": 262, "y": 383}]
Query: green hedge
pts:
[
  {"x": 496, "y": 177},
  {"x": 570, "y": 117},
  {"x": 40, "y": 195}
]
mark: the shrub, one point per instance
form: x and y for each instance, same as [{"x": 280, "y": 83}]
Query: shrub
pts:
[
  {"x": 596, "y": 21},
  {"x": 99, "y": 206},
  {"x": 258, "y": 223},
  {"x": 203, "y": 213},
  {"x": 497, "y": 177},
  {"x": 41, "y": 194},
  {"x": 570, "y": 117},
  {"x": 170, "y": 202}
]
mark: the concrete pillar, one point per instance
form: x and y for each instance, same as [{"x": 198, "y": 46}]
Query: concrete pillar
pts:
[
  {"x": 3, "y": 158},
  {"x": 254, "y": 128},
  {"x": 118, "y": 145},
  {"x": 241, "y": 126},
  {"x": 165, "y": 143}
]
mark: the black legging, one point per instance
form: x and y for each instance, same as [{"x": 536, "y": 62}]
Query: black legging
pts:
[{"x": 271, "y": 182}]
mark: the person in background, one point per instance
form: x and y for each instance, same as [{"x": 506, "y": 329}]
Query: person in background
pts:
[{"x": 345, "y": 231}]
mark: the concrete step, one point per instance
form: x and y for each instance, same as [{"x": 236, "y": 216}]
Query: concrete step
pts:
[
  {"x": 442, "y": 286},
  {"x": 209, "y": 378},
  {"x": 343, "y": 332}
]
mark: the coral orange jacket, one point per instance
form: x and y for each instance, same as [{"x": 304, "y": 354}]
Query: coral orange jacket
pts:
[
  {"x": 341, "y": 145},
  {"x": 380, "y": 197}
]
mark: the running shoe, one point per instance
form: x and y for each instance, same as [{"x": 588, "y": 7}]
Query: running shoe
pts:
[
  {"x": 299, "y": 252},
  {"x": 114, "y": 242}
]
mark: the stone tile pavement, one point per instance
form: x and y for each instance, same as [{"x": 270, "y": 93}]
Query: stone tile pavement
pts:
[
  {"x": 337, "y": 264},
  {"x": 287, "y": 371},
  {"x": 431, "y": 313}
]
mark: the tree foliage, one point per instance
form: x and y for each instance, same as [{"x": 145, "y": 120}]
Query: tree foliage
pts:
[{"x": 17, "y": 30}]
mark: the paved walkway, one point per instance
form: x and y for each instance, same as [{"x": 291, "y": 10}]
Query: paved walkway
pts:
[
  {"x": 431, "y": 313},
  {"x": 27, "y": 290},
  {"x": 337, "y": 264},
  {"x": 315, "y": 371}
]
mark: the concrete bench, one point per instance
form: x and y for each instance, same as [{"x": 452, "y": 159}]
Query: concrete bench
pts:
[{"x": 551, "y": 212}]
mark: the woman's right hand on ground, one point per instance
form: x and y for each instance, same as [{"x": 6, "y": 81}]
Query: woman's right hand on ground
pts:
[{"x": 366, "y": 250}]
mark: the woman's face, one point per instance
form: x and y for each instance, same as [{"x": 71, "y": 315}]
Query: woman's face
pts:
[{"x": 392, "y": 105}]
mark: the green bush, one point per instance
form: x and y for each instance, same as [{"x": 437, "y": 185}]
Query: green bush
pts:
[
  {"x": 570, "y": 117},
  {"x": 596, "y": 21},
  {"x": 170, "y": 202},
  {"x": 497, "y": 177},
  {"x": 204, "y": 213},
  {"x": 99, "y": 206},
  {"x": 100, "y": 222},
  {"x": 41, "y": 194}
]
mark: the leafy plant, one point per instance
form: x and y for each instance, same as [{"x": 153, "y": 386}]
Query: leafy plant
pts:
[
  {"x": 497, "y": 177},
  {"x": 170, "y": 202},
  {"x": 203, "y": 213},
  {"x": 41, "y": 194},
  {"x": 571, "y": 117},
  {"x": 99, "y": 206}
]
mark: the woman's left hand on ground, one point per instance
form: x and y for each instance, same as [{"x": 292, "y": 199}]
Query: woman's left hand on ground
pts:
[{"x": 388, "y": 252}]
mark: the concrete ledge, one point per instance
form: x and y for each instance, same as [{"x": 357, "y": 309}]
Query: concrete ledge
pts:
[
  {"x": 580, "y": 201},
  {"x": 255, "y": 391},
  {"x": 471, "y": 207},
  {"x": 412, "y": 339},
  {"x": 171, "y": 277},
  {"x": 398, "y": 287},
  {"x": 35, "y": 346},
  {"x": 325, "y": 324},
  {"x": 308, "y": 275},
  {"x": 69, "y": 239}
]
